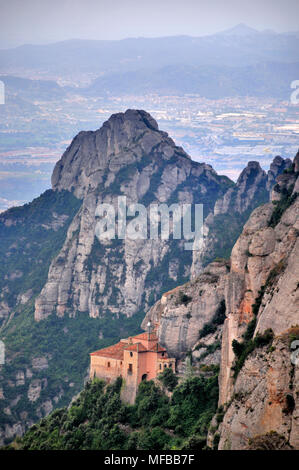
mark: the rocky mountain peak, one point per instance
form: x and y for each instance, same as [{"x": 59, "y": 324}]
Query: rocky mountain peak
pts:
[
  {"x": 251, "y": 170},
  {"x": 135, "y": 118},
  {"x": 287, "y": 180},
  {"x": 124, "y": 139},
  {"x": 241, "y": 195},
  {"x": 296, "y": 163},
  {"x": 279, "y": 162},
  {"x": 252, "y": 188},
  {"x": 250, "y": 304},
  {"x": 127, "y": 156},
  {"x": 276, "y": 168}
]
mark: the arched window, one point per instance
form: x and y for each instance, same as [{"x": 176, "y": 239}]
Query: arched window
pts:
[{"x": 131, "y": 354}]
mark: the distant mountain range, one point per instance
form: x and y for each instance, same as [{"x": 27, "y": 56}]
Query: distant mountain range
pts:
[
  {"x": 239, "y": 46},
  {"x": 240, "y": 61},
  {"x": 270, "y": 79},
  {"x": 31, "y": 90},
  {"x": 210, "y": 81}
]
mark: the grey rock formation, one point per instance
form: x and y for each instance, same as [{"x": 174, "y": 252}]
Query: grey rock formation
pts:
[
  {"x": 182, "y": 313},
  {"x": 259, "y": 403},
  {"x": 124, "y": 139},
  {"x": 276, "y": 168},
  {"x": 128, "y": 156},
  {"x": 261, "y": 283},
  {"x": 233, "y": 209},
  {"x": 264, "y": 261}
]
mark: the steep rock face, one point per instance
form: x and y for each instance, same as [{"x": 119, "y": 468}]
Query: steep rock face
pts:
[
  {"x": 113, "y": 277},
  {"x": 128, "y": 156},
  {"x": 260, "y": 401},
  {"x": 30, "y": 236},
  {"x": 259, "y": 250},
  {"x": 231, "y": 211},
  {"x": 265, "y": 261},
  {"x": 276, "y": 168},
  {"x": 124, "y": 139},
  {"x": 183, "y": 312},
  {"x": 259, "y": 289},
  {"x": 249, "y": 181}
]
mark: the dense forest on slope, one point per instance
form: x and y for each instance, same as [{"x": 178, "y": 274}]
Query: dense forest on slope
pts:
[
  {"x": 46, "y": 362},
  {"x": 31, "y": 235},
  {"x": 97, "y": 419}
]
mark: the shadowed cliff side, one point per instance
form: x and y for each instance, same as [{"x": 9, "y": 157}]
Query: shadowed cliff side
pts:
[
  {"x": 129, "y": 156},
  {"x": 258, "y": 383}
]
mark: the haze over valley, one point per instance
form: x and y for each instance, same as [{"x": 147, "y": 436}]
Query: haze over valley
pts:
[
  {"x": 149, "y": 222},
  {"x": 226, "y": 98}
]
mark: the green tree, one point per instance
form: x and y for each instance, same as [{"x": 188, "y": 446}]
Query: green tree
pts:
[{"x": 168, "y": 379}]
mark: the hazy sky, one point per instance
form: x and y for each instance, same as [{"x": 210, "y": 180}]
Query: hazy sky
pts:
[{"x": 42, "y": 21}]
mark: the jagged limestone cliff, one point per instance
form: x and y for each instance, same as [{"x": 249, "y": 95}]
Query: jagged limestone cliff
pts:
[
  {"x": 84, "y": 293},
  {"x": 51, "y": 261},
  {"x": 260, "y": 290},
  {"x": 130, "y": 156},
  {"x": 263, "y": 396},
  {"x": 233, "y": 209},
  {"x": 179, "y": 322},
  {"x": 190, "y": 317}
]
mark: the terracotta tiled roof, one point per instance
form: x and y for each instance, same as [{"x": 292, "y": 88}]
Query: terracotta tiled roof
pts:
[
  {"x": 159, "y": 348},
  {"x": 114, "y": 352},
  {"x": 136, "y": 347},
  {"x": 144, "y": 336},
  {"x": 154, "y": 346},
  {"x": 117, "y": 350}
]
